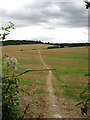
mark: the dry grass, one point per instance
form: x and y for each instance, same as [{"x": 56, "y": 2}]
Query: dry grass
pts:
[
  {"x": 32, "y": 82},
  {"x": 24, "y": 47},
  {"x": 71, "y": 66}
]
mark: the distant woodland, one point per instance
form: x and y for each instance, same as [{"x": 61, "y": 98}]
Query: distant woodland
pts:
[{"x": 54, "y": 45}]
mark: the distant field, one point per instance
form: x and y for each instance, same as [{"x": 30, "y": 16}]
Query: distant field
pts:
[
  {"x": 25, "y": 47},
  {"x": 71, "y": 78}
]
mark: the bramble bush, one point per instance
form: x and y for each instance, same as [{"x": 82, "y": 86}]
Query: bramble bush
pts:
[
  {"x": 10, "y": 87},
  {"x": 10, "y": 91},
  {"x": 84, "y": 104}
]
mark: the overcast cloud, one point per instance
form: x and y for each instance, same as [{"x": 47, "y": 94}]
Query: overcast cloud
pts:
[{"x": 46, "y": 20}]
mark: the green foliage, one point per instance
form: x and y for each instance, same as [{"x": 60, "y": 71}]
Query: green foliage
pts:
[
  {"x": 10, "y": 91},
  {"x": 10, "y": 87},
  {"x": 19, "y": 42},
  {"x": 6, "y": 30},
  {"x": 84, "y": 104},
  {"x": 87, "y": 5}
]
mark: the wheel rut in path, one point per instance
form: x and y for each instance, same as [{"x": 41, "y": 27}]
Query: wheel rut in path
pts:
[{"x": 53, "y": 109}]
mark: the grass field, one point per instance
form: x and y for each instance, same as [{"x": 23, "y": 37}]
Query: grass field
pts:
[
  {"x": 70, "y": 76},
  {"x": 32, "y": 82},
  {"x": 71, "y": 66}
]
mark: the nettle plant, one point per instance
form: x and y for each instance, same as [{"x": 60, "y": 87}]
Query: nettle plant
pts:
[{"x": 10, "y": 87}]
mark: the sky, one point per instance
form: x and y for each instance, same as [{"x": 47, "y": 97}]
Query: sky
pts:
[{"x": 55, "y": 21}]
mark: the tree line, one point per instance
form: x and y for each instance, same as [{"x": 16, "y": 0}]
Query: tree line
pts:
[
  {"x": 20, "y": 42},
  {"x": 65, "y": 45},
  {"x": 54, "y": 45}
]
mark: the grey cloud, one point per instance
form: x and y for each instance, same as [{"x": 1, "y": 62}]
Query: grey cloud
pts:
[
  {"x": 30, "y": 14},
  {"x": 37, "y": 13},
  {"x": 75, "y": 16},
  {"x": 72, "y": 15}
]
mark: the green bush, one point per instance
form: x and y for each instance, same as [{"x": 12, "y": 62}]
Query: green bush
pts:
[
  {"x": 10, "y": 88},
  {"x": 84, "y": 105},
  {"x": 10, "y": 91}
]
